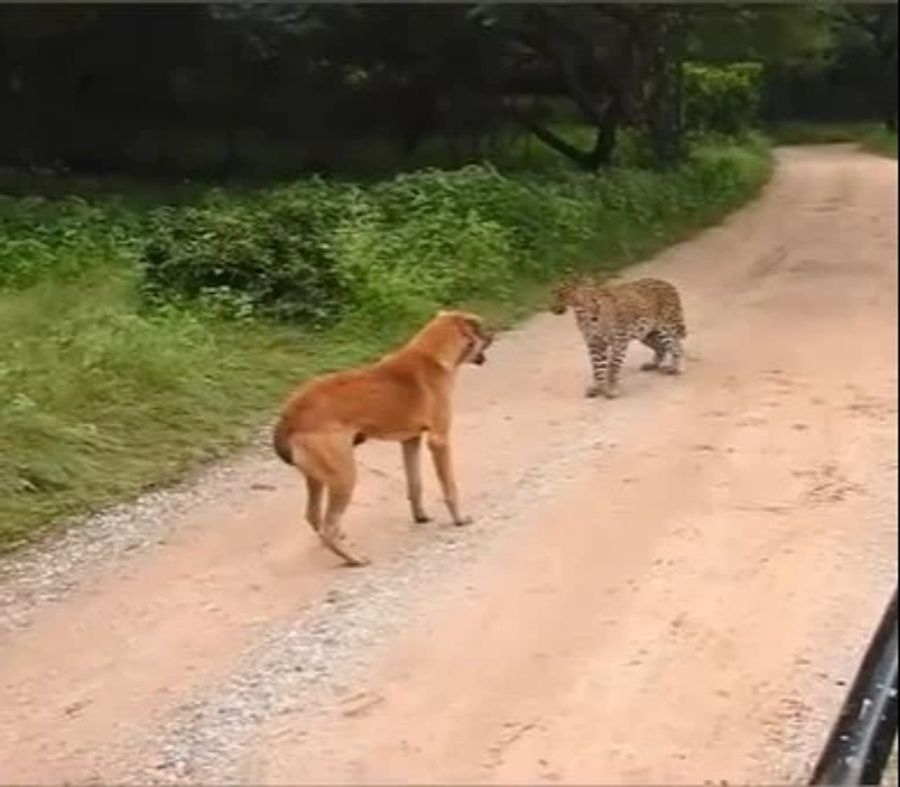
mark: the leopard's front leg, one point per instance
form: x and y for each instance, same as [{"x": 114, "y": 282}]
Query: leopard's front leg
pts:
[
  {"x": 598, "y": 350},
  {"x": 616, "y": 352}
]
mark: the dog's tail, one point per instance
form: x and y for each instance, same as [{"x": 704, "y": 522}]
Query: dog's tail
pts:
[{"x": 281, "y": 442}]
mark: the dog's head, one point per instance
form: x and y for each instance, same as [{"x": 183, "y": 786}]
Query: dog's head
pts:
[{"x": 473, "y": 334}]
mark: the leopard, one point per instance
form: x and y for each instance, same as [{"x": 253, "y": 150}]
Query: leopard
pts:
[{"x": 611, "y": 313}]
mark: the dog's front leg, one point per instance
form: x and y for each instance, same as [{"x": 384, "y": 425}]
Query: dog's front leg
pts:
[
  {"x": 439, "y": 446},
  {"x": 413, "y": 466}
]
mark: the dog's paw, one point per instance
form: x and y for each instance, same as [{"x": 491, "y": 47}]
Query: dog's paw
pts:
[
  {"x": 650, "y": 366},
  {"x": 421, "y": 519},
  {"x": 670, "y": 370},
  {"x": 463, "y": 521},
  {"x": 611, "y": 393},
  {"x": 593, "y": 391}
]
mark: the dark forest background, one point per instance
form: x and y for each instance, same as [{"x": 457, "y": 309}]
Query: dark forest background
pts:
[{"x": 231, "y": 89}]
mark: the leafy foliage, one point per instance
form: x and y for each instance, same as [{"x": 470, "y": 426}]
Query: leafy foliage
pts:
[
  {"x": 315, "y": 252},
  {"x": 851, "y": 79},
  {"x": 63, "y": 238},
  {"x": 274, "y": 252},
  {"x": 722, "y": 99}
]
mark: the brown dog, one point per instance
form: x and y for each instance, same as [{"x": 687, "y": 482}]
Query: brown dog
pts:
[{"x": 402, "y": 397}]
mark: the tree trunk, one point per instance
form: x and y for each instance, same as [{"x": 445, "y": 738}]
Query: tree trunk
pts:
[
  {"x": 605, "y": 143},
  {"x": 588, "y": 160},
  {"x": 890, "y": 119},
  {"x": 663, "y": 110}
]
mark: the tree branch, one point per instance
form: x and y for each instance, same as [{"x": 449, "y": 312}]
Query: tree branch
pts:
[{"x": 550, "y": 139}]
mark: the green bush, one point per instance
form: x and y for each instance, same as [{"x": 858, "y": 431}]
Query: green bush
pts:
[
  {"x": 722, "y": 99},
  {"x": 881, "y": 141},
  {"x": 273, "y": 253},
  {"x": 41, "y": 238},
  {"x": 316, "y": 252},
  {"x": 313, "y": 251}
]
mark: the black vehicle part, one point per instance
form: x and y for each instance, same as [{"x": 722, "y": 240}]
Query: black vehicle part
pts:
[{"x": 865, "y": 731}]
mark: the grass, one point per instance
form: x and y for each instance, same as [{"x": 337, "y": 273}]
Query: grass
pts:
[
  {"x": 103, "y": 394},
  {"x": 873, "y": 137},
  {"x": 882, "y": 142}
]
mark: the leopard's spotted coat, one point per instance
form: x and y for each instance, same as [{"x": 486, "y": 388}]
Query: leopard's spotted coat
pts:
[{"x": 611, "y": 314}]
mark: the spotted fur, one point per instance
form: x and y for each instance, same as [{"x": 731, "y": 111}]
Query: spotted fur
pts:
[{"x": 612, "y": 314}]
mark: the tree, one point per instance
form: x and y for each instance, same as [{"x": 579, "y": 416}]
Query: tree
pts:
[
  {"x": 730, "y": 32},
  {"x": 588, "y": 54},
  {"x": 874, "y": 27},
  {"x": 663, "y": 41}
]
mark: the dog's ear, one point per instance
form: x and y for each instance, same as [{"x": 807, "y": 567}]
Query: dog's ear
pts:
[{"x": 474, "y": 324}]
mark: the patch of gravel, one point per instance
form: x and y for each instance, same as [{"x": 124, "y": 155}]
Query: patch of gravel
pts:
[
  {"x": 45, "y": 572},
  {"x": 308, "y": 663}
]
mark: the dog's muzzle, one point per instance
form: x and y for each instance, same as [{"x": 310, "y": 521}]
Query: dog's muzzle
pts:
[{"x": 478, "y": 357}]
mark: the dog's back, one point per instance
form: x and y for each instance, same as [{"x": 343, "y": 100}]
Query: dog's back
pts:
[{"x": 374, "y": 401}]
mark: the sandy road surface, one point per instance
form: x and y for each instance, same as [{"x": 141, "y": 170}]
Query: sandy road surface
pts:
[{"x": 670, "y": 587}]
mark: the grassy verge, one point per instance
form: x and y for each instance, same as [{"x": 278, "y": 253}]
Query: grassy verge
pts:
[
  {"x": 873, "y": 137},
  {"x": 881, "y": 141},
  {"x": 141, "y": 341}
]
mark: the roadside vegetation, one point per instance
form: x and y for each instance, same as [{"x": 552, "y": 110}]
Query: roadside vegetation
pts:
[
  {"x": 882, "y": 141},
  {"x": 869, "y": 136}
]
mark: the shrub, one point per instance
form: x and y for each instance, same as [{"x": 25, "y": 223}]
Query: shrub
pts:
[
  {"x": 316, "y": 252},
  {"x": 313, "y": 251},
  {"x": 881, "y": 141},
  {"x": 273, "y": 254},
  {"x": 63, "y": 239},
  {"x": 722, "y": 99}
]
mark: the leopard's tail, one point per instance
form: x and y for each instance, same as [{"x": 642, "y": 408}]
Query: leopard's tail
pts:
[
  {"x": 678, "y": 314},
  {"x": 678, "y": 317}
]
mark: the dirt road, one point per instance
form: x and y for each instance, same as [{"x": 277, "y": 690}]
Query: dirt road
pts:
[{"x": 671, "y": 587}]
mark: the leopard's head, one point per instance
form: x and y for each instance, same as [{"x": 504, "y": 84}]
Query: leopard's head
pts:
[{"x": 561, "y": 297}]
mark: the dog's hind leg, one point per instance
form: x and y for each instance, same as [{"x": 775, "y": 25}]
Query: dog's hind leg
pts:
[
  {"x": 413, "y": 466},
  {"x": 314, "y": 489},
  {"x": 328, "y": 463},
  {"x": 305, "y": 462},
  {"x": 340, "y": 481}
]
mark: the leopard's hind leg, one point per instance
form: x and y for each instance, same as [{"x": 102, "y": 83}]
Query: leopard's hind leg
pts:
[
  {"x": 653, "y": 341},
  {"x": 671, "y": 344}
]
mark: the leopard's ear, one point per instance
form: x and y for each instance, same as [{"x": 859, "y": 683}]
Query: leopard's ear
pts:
[{"x": 559, "y": 296}]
